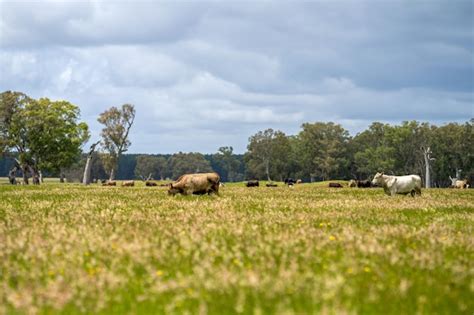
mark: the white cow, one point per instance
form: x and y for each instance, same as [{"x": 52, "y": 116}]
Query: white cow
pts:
[{"x": 408, "y": 184}]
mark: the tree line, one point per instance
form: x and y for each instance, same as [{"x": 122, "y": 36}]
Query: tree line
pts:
[
  {"x": 46, "y": 137},
  {"x": 322, "y": 151}
]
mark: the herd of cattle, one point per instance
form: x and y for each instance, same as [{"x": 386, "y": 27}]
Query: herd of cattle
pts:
[{"x": 209, "y": 183}]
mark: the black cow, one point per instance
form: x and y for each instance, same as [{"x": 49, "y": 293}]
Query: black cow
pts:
[
  {"x": 290, "y": 181},
  {"x": 252, "y": 183},
  {"x": 364, "y": 184}
]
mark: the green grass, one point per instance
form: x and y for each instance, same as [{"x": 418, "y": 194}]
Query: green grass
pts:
[{"x": 71, "y": 249}]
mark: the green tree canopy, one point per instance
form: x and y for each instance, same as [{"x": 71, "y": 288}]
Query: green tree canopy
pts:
[
  {"x": 43, "y": 134},
  {"x": 151, "y": 166},
  {"x": 227, "y": 161},
  {"x": 324, "y": 150},
  {"x": 267, "y": 155},
  {"x": 185, "y": 163},
  {"x": 117, "y": 123}
]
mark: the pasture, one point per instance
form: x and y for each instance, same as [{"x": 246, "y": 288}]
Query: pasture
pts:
[{"x": 71, "y": 249}]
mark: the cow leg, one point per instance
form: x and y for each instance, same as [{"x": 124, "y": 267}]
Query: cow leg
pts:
[
  {"x": 412, "y": 193},
  {"x": 418, "y": 191}
]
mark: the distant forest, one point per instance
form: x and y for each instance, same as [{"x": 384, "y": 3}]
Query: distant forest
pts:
[{"x": 320, "y": 151}]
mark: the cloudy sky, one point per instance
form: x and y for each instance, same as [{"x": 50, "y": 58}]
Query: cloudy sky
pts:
[{"x": 208, "y": 74}]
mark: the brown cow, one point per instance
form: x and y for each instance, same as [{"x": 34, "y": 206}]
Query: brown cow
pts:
[
  {"x": 128, "y": 183},
  {"x": 148, "y": 183},
  {"x": 461, "y": 184},
  {"x": 271, "y": 185},
  {"x": 110, "y": 183},
  {"x": 335, "y": 185},
  {"x": 200, "y": 183}
]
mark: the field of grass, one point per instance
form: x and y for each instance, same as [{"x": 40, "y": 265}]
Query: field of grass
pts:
[{"x": 309, "y": 249}]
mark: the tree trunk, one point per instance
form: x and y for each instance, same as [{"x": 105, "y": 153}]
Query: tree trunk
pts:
[
  {"x": 86, "y": 179},
  {"x": 427, "y": 157},
  {"x": 34, "y": 175},
  {"x": 267, "y": 170},
  {"x": 112, "y": 174},
  {"x": 61, "y": 176},
  {"x": 458, "y": 173},
  {"x": 25, "y": 174},
  {"x": 11, "y": 176},
  {"x": 427, "y": 173}
]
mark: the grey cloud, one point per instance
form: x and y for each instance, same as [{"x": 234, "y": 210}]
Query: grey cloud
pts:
[
  {"x": 94, "y": 23},
  {"x": 205, "y": 75}
]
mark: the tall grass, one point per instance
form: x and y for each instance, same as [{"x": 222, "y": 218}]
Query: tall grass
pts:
[{"x": 310, "y": 249}]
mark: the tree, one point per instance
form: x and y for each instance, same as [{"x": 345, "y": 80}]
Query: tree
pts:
[
  {"x": 228, "y": 163},
  {"x": 115, "y": 140},
  {"x": 267, "y": 154},
  {"x": 86, "y": 179},
  {"x": 371, "y": 152},
  {"x": 427, "y": 156},
  {"x": 13, "y": 132},
  {"x": 325, "y": 146},
  {"x": 183, "y": 163},
  {"x": 55, "y": 139},
  {"x": 407, "y": 140},
  {"x": 373, "y": 160},
  {"x": 149, "y": 166},
  {"x": 44, "y": 135},
  {"x": 453, "y": 145}
]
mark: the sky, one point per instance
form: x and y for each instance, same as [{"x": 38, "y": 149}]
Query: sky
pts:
[{"x": 207, "y": 74}]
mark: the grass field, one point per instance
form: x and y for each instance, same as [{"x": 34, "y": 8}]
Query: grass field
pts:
[{"x": 110, "y": 250}]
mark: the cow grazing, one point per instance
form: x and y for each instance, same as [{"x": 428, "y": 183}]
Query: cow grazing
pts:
[
  {"x": 271, "y": 185},
  {"x": 128, "y": 183},
  {"x": 460, "y": 184},
  {"x": 110, "y": 183},
  {"x": 335, "y": 185},
  {"x": 408, "y": 184},
  {"x": 364, "y": 184},
  {"x": 198, "y": 184},
  {"x": 290, "y": 181},
  {"x": 352, "y": 183},
  {"x": 150, "y": 184},
  {"x": 252, "y": 183}
]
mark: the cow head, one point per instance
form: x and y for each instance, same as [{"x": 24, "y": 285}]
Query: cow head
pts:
[
  {"x": 378, "y": 179},
  {"x": 173, "y": 190}
]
